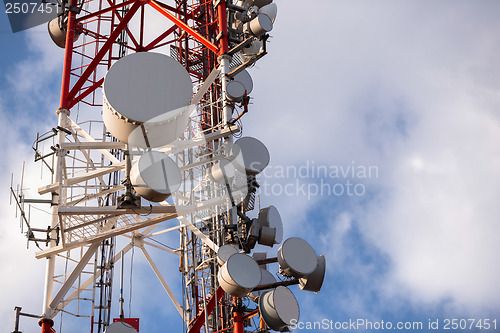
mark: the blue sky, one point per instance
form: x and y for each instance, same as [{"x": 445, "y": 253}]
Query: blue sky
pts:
[{"x": 410, "y": 87}]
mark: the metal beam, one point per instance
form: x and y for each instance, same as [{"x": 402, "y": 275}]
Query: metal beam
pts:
[
  {"x": 164, "y": 284},
  {"x": 89, "y": 138},
  {"x": 197, "y": 232},
  {"x": 52, "y": 188},
  {"x": 200, "y": 319},
  {"x": 87, "y": 283},
  {"x": 104, "y": 235},
  {"x": 93, "y": 145},
  {"x": 184, "y": 26}
]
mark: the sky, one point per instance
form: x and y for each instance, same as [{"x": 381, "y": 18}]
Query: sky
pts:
[{"x": 398, "y": 100}]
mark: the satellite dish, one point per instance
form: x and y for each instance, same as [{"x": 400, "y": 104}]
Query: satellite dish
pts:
[
  {"x": 259, "y": 25},
  {"x": 223, "y": 168},
  {"x": 57, "y": 34},
  {"x": 270, "y": 217},
  {"x": 244, "y": 78},
  {"x": 239, "y": 275},
  {"x": 120, "y": 327},
  {"x": 270, "y": 10},
  {"x": 297, "y": 258},
  {"x": 235, "y": 91},
  {"x": 314, "y": 281},
  {"x": 155, "y": 176},
  {"x": 279, "y": 308},
  {"x": 146, "y": 98},
  {"x": 224, "y": 252},
  {"x": 266, "y": 278},
  {"x": 250, "y": 156}
]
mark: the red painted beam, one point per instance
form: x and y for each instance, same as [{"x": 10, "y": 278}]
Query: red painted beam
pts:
[
  {"x": 104, "y": 49},
  {"x": 103, "y": 11},
  {"x": 68, "y": 57},
  {"x": 164, "y": 35},
  {"x": 200, "y": 319},
  {"x": 222, "y": 18},
  {"x": 184, "y": 26},
  {"x": 46, "y": 325}
]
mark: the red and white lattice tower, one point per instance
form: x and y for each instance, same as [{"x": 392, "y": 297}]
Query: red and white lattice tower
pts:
[{"x": 95, "y": 206}]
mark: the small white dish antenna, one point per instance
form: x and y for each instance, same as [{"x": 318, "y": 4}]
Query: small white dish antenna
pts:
[
  {"x": 259, "y": 26},
  {"x": 314, "y": 281},
  {"x": 297, "y": 258},
  {"x": 271, "y": 218},
  {"x": 244, "y": 78},
  {"x": 155, "y": 176},
  {"x": 222, "y": 171},
  {"x": 279, "y": 308},
  {"x": 250, "y": 156},
  {"x": 270, "y": 10},
  {"x": 239, "y": 275},
  {"x": 224, "y": 252},
  {"x": 235, "y": 91}
]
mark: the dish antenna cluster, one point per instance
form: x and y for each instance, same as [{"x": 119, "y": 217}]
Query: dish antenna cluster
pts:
[{"x": 168, "y": 153}]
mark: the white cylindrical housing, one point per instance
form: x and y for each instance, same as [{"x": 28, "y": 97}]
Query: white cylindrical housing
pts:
[
  {"x": 239, "y": 275},
  {"x": 279, "y": 308},
  {"x": 146, "y": 97},
  {"x": 270, "y": 217},
  {"x": 297, "y": 258},
  {"x": 221, "y": 171},
  {"x": 314, "y": 281},
  {"x": 235, "y": 91},
  {"x": 260, "y": 25},
  {"x": 155, "y": 176}
]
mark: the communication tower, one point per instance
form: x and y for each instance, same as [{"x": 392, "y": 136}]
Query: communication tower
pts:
[{"x": 149, "y": 141}]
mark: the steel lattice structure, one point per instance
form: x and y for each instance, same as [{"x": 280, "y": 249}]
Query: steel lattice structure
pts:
[{"x": 91, "y": 197}]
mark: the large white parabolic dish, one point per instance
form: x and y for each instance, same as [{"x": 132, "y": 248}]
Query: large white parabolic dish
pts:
[{"x": 148, "y": 89}]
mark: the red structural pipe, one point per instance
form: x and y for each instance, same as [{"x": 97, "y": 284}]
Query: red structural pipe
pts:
[
  {"x": 184, "y": 26},
  {"x": 68, "y": 56},
  {"x": 222, "y": 18},
  {"x": 104, "y": 49},
  {"x": 237, "y": 317},
  {"x": 46, "y": 325},
  {"x": 200, "y": 319}
]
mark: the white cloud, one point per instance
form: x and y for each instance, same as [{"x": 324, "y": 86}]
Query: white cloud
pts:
[{"x": 410, "y": 87}]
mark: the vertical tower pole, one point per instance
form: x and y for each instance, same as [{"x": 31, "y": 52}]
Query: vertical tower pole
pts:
[
  {"x": 237, "y": 316},
  {"x": 46, "y": 323}
]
